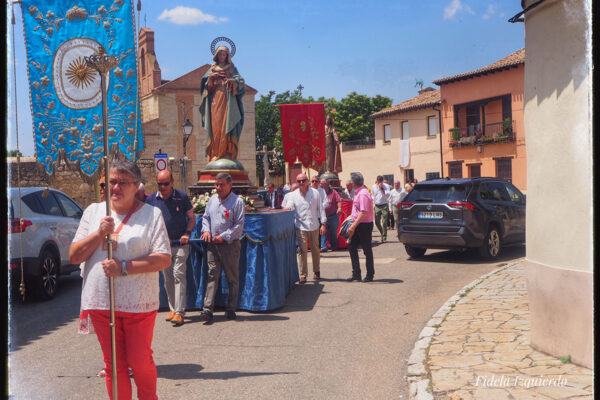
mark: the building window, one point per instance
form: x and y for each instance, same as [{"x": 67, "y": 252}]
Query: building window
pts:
[
  {"x": 409, "y": 175},
  {"x": 504, "y": 169},
  {"x": 405, "y": 134},
  {"x": 455, "y": 170},
  {"x": 389, "y": 179},
  {"x": 432, "y": 125},
  {"x": 474, "y": 171},
  {"x": 432, "y": 175},
  {"x": 387, "y": 133},
  {"x": 143, "y": 62}
]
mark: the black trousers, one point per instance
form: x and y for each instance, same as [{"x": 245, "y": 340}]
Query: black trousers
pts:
[{"x": 362, "y": 236}]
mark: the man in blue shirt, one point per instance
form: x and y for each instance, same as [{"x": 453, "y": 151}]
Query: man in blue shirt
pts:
[
  {"x": 178, "y": 214},
  {"x": 222, "y": 228}
]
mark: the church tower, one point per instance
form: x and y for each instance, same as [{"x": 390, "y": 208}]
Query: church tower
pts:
[{"x": 149, "y": 70}]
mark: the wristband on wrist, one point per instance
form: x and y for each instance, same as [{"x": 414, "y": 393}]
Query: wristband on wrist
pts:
[{"x": 123, "y": 268}]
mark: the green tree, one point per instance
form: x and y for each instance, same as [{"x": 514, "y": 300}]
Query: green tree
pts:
[
  {"x": 13, "y": 153},
  {"x": 268, "y": 125},
  {"x": 352, "y": 115},
  {"x": 351, "y": 118}
]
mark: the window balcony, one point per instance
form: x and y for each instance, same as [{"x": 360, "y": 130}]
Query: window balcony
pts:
[{"x": 478, "y": 135}]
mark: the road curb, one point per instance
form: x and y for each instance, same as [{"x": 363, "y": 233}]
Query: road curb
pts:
[{"x": 419, "y": 380}]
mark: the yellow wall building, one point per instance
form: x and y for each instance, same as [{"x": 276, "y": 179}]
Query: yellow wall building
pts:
[{"x": 414, "y": 121}]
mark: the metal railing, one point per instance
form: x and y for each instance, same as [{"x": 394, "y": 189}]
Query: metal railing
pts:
[
  {"x": 477, "y": 135},
  {"x": 359, "y": 144}
]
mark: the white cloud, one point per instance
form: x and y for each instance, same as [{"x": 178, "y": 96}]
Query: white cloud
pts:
[
  {"x": 454, "y": 7},
  {"x": 491, "y": 10},
  {"x": 189, "y": 16}
]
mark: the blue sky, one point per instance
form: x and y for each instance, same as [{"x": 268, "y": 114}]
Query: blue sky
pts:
[{"x": 331, "y": 47}]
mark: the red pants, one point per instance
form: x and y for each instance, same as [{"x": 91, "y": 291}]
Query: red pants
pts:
[{"x": 133, "y": 332}]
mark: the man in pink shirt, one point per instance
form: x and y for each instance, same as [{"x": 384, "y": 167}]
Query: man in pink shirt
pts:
[{"x": 361, "y": 230}]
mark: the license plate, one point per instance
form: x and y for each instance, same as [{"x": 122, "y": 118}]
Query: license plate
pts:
[{"x": 431, "y": 215}]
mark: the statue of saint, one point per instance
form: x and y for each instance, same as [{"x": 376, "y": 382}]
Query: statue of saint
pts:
[
  {"x": 222, "y": 110},
  {"x": 332, "y": 147}
]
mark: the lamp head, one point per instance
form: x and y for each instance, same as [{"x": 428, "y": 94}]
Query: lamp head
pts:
[{"x": 187, "y": 128}]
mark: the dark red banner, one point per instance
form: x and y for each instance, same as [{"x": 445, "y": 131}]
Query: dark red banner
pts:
[{"x": 303, "y": 132}]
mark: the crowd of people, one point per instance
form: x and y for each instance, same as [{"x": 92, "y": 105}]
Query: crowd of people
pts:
[{"x": 149, "y": 233}]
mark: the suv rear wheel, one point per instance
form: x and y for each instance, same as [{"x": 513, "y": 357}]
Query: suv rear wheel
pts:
[
  {"x": 491, "y": 245},
  {"x": 415, "y": 252},
  {"x": 46, "y": 281}
]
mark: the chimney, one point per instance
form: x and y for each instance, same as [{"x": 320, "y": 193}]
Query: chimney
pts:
[{"x": 427, "y": 89}]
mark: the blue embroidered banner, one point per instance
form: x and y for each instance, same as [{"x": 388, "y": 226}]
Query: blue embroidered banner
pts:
[{"x": 65, "y": 95}]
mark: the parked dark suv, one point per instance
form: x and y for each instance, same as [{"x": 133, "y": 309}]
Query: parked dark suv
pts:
[{"x": 483, "y": 213}]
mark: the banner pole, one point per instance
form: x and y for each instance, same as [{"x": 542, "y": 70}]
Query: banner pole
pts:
[{"x": 103, "y": 63}]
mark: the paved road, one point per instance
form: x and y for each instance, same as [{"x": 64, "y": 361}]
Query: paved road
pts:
[{"x": 332, "y": 339}]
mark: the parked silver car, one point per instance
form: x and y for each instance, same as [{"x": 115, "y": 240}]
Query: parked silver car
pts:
[{"x": 50, "y": 220}]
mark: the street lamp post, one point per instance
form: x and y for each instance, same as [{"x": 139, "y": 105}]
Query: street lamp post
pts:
[{"x": 187, "y": 129}]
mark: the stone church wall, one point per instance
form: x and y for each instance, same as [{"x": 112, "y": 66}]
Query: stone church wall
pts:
[{"x": 70, "y": 182}]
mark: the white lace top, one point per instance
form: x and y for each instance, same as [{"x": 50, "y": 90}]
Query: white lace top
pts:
[{"x": 143, "y": 234}]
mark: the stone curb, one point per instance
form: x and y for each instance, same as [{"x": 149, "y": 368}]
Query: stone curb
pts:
[{"x": 417, "y": 374}]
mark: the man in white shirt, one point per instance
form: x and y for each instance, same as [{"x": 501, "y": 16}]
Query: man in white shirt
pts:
[
  {"x": 381, "y": 195},
  {"x": 307, "y": 204},
  {"x": 314, "y": 183},
  {"x": 286, "y": 197},
  {"x": 349, "y": 191},
  {"x": 395, "y": 198}
]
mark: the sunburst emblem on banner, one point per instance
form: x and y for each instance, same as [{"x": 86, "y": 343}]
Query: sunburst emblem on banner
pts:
[{"x": 79, "y": 74}]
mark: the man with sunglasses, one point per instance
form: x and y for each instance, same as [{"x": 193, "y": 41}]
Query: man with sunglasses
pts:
[
  {"x": 308, "y": 206},
  {"x": 178, "y": 214}
]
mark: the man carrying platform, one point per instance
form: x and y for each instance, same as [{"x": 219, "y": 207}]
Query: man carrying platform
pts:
[
  {"x": 307, "y": 204},
  {"x": 222, "y": 228},
  {"x": 178, "y": 214}
]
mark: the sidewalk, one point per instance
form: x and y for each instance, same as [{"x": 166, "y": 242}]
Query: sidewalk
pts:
[{"x": 477, "y": 346}]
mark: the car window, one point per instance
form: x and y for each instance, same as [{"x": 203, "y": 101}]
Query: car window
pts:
[
  {"x": 71, "y": 209},
  {"x": 437, "y": 193},
  {"x": 514, "y": 194},
  {"x": 484, "y": 192},
  {"x": 498, "y": 191},
  {"x": 50, "y": 204},
  {"x": 32, "y": 201}
]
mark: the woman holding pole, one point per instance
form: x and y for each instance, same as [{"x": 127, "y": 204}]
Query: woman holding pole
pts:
[{"x": 140, "y": 248}]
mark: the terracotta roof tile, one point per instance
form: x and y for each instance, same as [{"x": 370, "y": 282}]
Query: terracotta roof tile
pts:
[
  {"x": 427, "y": 98},
  {"x": 516, "y": 58},
  {"x": 182, "y": 82}
]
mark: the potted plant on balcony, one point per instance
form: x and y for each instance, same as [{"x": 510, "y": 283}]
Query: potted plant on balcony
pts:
[
  {"x": 455, "y": 134},
  {"x": 465, "y": 139},
  {"x": 487, "y": 139},
  {"x": 478, "y": 136},
  {"x": 507, "y": 126}
]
